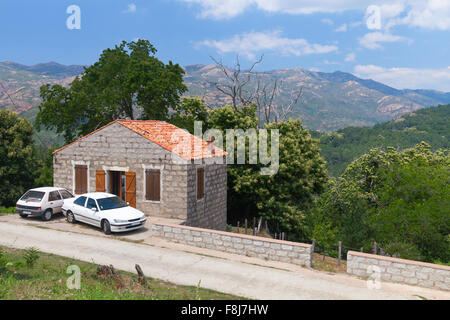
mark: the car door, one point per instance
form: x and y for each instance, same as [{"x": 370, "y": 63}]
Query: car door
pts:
[
  {"x": 79, "y": 209},
  {"x": 92, "y": 212},
  {"x": 55, "y": 201}
]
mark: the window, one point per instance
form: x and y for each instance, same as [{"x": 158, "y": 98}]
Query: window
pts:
[
  {"x": 80, "y": 201},
  {"x": 91, "y": 204},
  {"x": 111, "y": 203},
  {"x": 65, "y": 194},
  {"x": 33, "y": 196},
  {"x": 153, "y": 184},
  {"x": 54, "y": 196},
  {"x": 200, "y": 183},
  {"x": 81, "y": 177}
]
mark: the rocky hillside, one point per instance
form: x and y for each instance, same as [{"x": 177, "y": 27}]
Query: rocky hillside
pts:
[{"x": 330, "y": 100}]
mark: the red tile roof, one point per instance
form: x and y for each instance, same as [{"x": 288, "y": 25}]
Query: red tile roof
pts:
[{"x": 169, "y": 137}]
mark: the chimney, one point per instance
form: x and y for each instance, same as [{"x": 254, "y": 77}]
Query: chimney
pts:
[{"x": 211, "y": 146}]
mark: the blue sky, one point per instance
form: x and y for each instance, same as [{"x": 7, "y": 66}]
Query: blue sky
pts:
[{"x": 403, "y": 43}]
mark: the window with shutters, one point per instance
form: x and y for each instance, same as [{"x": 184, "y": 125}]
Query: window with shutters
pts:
[
  {"x": 200, "y": 183},
  {"x": 153, "y": 185},
  {"x": 81, "y": 179}
]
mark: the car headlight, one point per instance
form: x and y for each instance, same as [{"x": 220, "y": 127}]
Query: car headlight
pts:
[{"x": 120, "y": 221}]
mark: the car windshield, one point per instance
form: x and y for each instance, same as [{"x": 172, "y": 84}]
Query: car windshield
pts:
[
  {"x": 33, "y": 196},
  {"x": 111, "y": 203}
]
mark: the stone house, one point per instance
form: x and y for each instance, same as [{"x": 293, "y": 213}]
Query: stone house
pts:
[{"x": 155, "y": 166}]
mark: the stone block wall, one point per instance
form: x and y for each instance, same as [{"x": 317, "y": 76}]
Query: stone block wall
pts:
[
  {"x": 211, "y": 211},
  {"x": 265, "y": 248},
  {"x": 399, "y": 270},
  {"x": 117, "y": 148}
]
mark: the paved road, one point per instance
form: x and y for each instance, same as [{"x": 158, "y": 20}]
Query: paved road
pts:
[{"x": 180, "y": 267}]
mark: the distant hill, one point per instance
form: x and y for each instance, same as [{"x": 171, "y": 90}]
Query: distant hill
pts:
[
  {"x": 345, "y": 145},
  {"x": 331, "y": 101}
]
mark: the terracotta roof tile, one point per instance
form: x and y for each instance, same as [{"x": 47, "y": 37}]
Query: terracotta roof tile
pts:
[{"x": 169, "y": 137}]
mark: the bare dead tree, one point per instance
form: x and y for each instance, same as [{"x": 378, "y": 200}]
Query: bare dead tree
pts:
[
  {"x": 237, "y": 86},
  {"x": 236, "y": 82}
]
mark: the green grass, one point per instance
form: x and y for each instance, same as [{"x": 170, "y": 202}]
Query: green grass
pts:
[
  {"x": 46, "y": 279},
  {"x": 7, "y": 210}
]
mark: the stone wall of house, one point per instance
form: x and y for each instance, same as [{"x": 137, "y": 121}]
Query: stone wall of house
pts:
[
  {"x": 210, "y": 211},
  {"x": 265, "y": 248},
  {"x": 117, "y": 148},
  {"x": 399, "y": 270}
]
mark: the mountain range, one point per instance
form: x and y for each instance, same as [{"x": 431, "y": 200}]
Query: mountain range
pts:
[{"x": 329, "y": 101}]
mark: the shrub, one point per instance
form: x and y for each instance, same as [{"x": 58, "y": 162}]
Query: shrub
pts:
[
  {"x": 402, "y": 250},
  {"x": 31, "y": 255}
]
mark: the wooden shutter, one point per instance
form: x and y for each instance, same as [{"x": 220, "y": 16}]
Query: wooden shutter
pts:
[
  {"x": 200, "y": 183},
  {"x": 81, "y": 177},
  {"x": 100, "y": 181},
  {"x": 153, "y": 185},
  {"x": 130, "y": 188}
]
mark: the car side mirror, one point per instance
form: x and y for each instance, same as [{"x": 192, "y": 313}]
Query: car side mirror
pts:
[
  {"x": 128, "y": 203},
  {"x": 94, "y": 209}
]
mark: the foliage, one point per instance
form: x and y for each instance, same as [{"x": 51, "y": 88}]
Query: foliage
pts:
[
  {"x": 402, "y": 250},
  {"x": 191, "y": 109},
  {"x": 414, "y": 207},
  {"x": 127, "y": 82},
  {"x": 7, "y": 210},
  {"x": 31, "y": 255},
  {"x": 44, "y": 172},
  {"x": 340, "y": 148},
  {"x": 16, "y": 157},
  {"x": 281, "y": 198},
  {"x": 392, "y": 197}
]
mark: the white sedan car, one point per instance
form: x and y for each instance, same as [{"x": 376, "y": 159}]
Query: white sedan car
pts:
[{"x": 103, "y": 210}]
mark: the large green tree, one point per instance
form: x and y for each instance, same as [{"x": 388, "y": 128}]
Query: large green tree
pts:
[
  {"x": 16, "y": 157},
  {"x": 127, "y": 82},
  {"x": 396, "y": 198},
  {"x": 281, "y": 198}
]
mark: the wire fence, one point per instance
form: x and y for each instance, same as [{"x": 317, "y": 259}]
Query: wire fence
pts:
[{"x": 337, "y": 251}]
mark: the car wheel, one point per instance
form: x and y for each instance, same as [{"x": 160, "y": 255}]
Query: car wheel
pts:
[
  {"x": 23, "y": 216},
  {"x": 70, "y": 217},
  {"x": 106, "y": 227},
  {"x": 47, "y": 216}
]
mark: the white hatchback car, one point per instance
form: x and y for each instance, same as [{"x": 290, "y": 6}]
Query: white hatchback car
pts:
[
  {"x": 42, "y": 202},
  {"x": 104, "y": 210}
]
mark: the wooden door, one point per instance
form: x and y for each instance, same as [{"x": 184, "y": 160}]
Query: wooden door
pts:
[
  {"x": 100, "y": 181},
  {"x": 130, "y": 188}
]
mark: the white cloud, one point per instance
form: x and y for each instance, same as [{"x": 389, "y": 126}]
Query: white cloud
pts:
[
  {"x": 407, "y": 78},
  {"x": 350, "y": 57},
  {"x": 223, "y": 9},
  {"x": 131, "y": 8},
  {"x": 327, "y": 21},
  {"x": 249, "y": 44},
  {"x": 342, "y": 28},
  {"x": 372, "y": 40},
  {"x": 428, "y": 14}
]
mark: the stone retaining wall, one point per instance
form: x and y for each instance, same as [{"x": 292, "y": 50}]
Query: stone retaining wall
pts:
[
  {"x": 265, "y": 248},
  {"x": 399, "y": 270}
]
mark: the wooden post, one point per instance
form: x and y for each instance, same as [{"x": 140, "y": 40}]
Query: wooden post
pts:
[
  {"x": 254, "y": 222},
  {"x": 339, "y": 252},
  {"x": 361, "y": 249},
  {"x": 275, "y": 236},
  {"x": 375, "y": 248},
  {"x": 245, "y": 225},
  {"x": 141, "y": 276},
  {"x": 238, "y": 228},
  {"x": 267, "y": 227},
  {"x": 255, "y": 231},
  {"x": 259, "y": 224}
]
